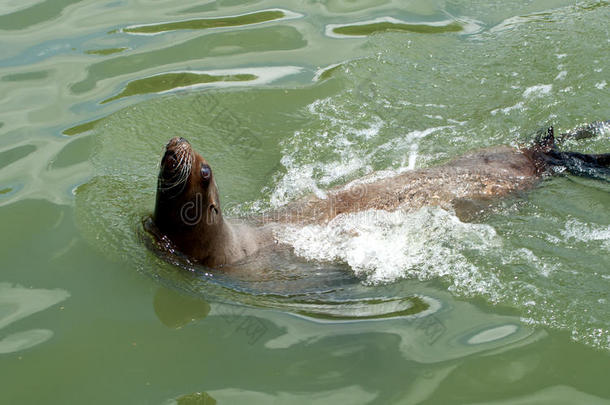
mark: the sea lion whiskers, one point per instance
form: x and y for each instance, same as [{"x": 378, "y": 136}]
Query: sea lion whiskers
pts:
[
  {"x": 185, "y": 170},
  {"x": 185, "y": 164},
  {"x": 171, "y": 182}
]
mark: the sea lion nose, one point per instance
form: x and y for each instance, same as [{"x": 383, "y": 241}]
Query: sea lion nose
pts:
[{"x": 176, "y": 141}]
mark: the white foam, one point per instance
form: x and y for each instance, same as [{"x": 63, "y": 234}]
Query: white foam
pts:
[
  {"x": 310, "y": 177},
  {"x": 530, "y": 93},
  {"x": 299, "y": 179},
  {"x": 539, "y": 90},
  {"x": 385, "y": 246},
  {"x": 582, "y": 232},
  {"x": 412, "y": 156},
  {"x": 519, "y": 106},
  {"x": 561, "y": 75}
]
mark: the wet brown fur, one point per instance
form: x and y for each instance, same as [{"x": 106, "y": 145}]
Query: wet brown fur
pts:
[{"x": 478, "y": 176}]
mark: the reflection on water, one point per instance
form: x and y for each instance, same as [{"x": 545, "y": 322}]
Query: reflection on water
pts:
[
  {"x": 385, "y": 24},
  {"x": 327, "y": 72},
  {"x": 168, "y": 81},
  {"x": 559, "y": 394},
  {"x": 352, "y": 394},
  {"x": 346, "y": 6},
  {"x": 106, "y": 51},
  {"x": 206, "y": 23},
  {"x": 221, "y": 44},
  {"x": 491, "y": 334},
  {"x": 197, "y": 398},
  {"x": 17, "y": 303},
  {"x": 430, "y": 337},
  {"x": 176, "y": 310},
  {"x": 20, "y": 77},
  {"x": 24, "y": 340},
  {"x": 79, "y": 129},
  {"x": 354, "y": 310}
]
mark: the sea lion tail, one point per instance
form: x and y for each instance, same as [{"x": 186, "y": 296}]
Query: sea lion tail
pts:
[{"x": 548, "y": 157}]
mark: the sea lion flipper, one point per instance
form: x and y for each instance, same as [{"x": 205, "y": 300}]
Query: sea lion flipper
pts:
[
  {"x": 545, "y": 139},
  {"x": 587, "y": 165},
  {"x": 580, "y": 164},
  {"x": 547, "y": 155},
  {"x": 591, "y": 130}
]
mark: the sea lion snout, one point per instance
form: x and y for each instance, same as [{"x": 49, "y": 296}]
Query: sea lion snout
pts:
[
  {"x": 176, "y": 165},
  {"x": 176, "y": 146},
  {"x": 175, "y": 141}
]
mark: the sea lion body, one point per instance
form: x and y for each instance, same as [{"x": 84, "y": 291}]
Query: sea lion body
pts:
[
  {"x": 481, "y": 175},
  {"x": 188, "y": 219}
]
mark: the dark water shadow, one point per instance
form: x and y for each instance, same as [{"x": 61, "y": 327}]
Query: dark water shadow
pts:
[
  {"x": 105, "y": 51},
  {"x": 169, "y": 81},
  {"x": 386, "y": 26},
  {"x": 21, "y": 77},
  {"x": 12, "y": 155},
  {"x": 207, "y": 23},
  {"x": 175, "y": 309}
]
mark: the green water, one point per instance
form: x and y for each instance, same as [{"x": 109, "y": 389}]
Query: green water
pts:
[{"x": 284, "y": 100}]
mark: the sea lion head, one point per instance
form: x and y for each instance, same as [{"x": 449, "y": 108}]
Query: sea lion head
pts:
[{"x": 187, "y": 195}]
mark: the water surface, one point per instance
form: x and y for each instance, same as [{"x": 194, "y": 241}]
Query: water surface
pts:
[{"x": 285, "y": 100}]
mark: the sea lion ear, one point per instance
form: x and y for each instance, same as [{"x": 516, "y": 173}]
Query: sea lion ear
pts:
[{"x": 212, "y": 214}]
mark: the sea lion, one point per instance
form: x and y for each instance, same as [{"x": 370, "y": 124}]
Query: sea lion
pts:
[{"x": 188, "y": 219}]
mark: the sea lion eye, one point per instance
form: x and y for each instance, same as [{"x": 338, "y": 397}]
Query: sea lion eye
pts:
[{"x": 206, "y": 172}]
